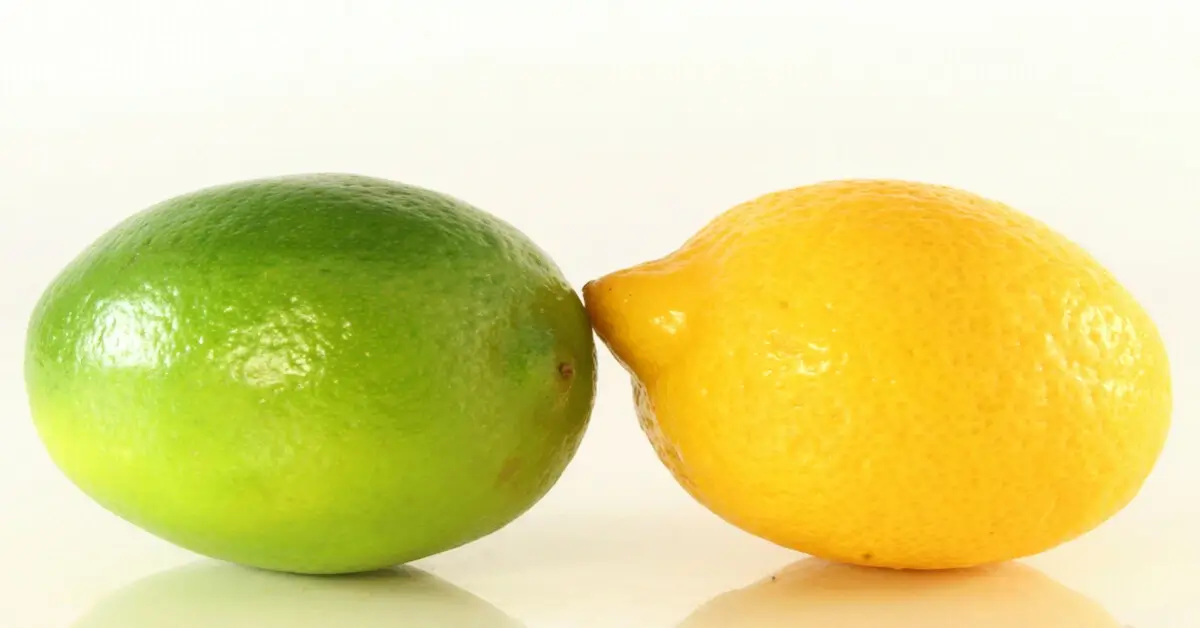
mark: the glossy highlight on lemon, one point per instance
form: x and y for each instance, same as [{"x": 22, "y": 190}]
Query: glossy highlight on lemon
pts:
[
  {"x": 321, "y": 373},
  {"x": 891, "y": 373}
]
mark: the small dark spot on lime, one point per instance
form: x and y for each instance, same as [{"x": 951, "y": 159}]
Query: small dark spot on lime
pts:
[
  {"x": 566, "y": 370},
  {"x": 508, "y": 470}
]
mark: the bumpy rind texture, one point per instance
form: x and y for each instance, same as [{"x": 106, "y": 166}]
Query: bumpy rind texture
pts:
[
  {"x": 892, "y": 374},
  {"x": 319, "y": 373}
]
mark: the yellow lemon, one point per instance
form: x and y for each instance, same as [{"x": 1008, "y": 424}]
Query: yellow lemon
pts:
[{"x": 891, "y": 373}]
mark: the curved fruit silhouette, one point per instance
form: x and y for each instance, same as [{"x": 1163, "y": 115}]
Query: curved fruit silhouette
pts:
[
  {"x": 891, "y": 373},
  {"x": 319, "y": 374}
]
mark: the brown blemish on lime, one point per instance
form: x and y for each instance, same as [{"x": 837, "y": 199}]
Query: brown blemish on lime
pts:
[
  {"x": 565, "y": 370},
  {"x": 508, "y": 470}
]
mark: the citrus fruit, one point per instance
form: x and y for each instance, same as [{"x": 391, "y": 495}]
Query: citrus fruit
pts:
[
  {"x": 891, "y": 373},
  {"x": 815, "y": 593},
  {"x": 312, "y": 373}
]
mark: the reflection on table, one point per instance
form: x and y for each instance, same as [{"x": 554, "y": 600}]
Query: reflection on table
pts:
[
  {"x": 219, "y": 595},
  {"x": 817, "y": 593}
]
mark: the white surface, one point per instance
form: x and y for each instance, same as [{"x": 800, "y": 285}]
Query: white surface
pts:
[{"x": 608, "y": 134}]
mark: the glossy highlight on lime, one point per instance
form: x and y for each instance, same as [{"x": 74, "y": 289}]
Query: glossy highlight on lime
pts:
[{"x": 320, "y": 373}]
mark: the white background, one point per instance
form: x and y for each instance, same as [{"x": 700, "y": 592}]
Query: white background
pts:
[{"x": 608, "y": 134}]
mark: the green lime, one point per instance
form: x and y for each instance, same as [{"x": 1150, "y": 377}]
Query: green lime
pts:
[{"x": 314, "y": 373}]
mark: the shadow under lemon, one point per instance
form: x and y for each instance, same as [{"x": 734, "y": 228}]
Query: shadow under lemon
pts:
[
  {"x": 228, "y": 596},
  {"x": 817, "y": 593}
]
